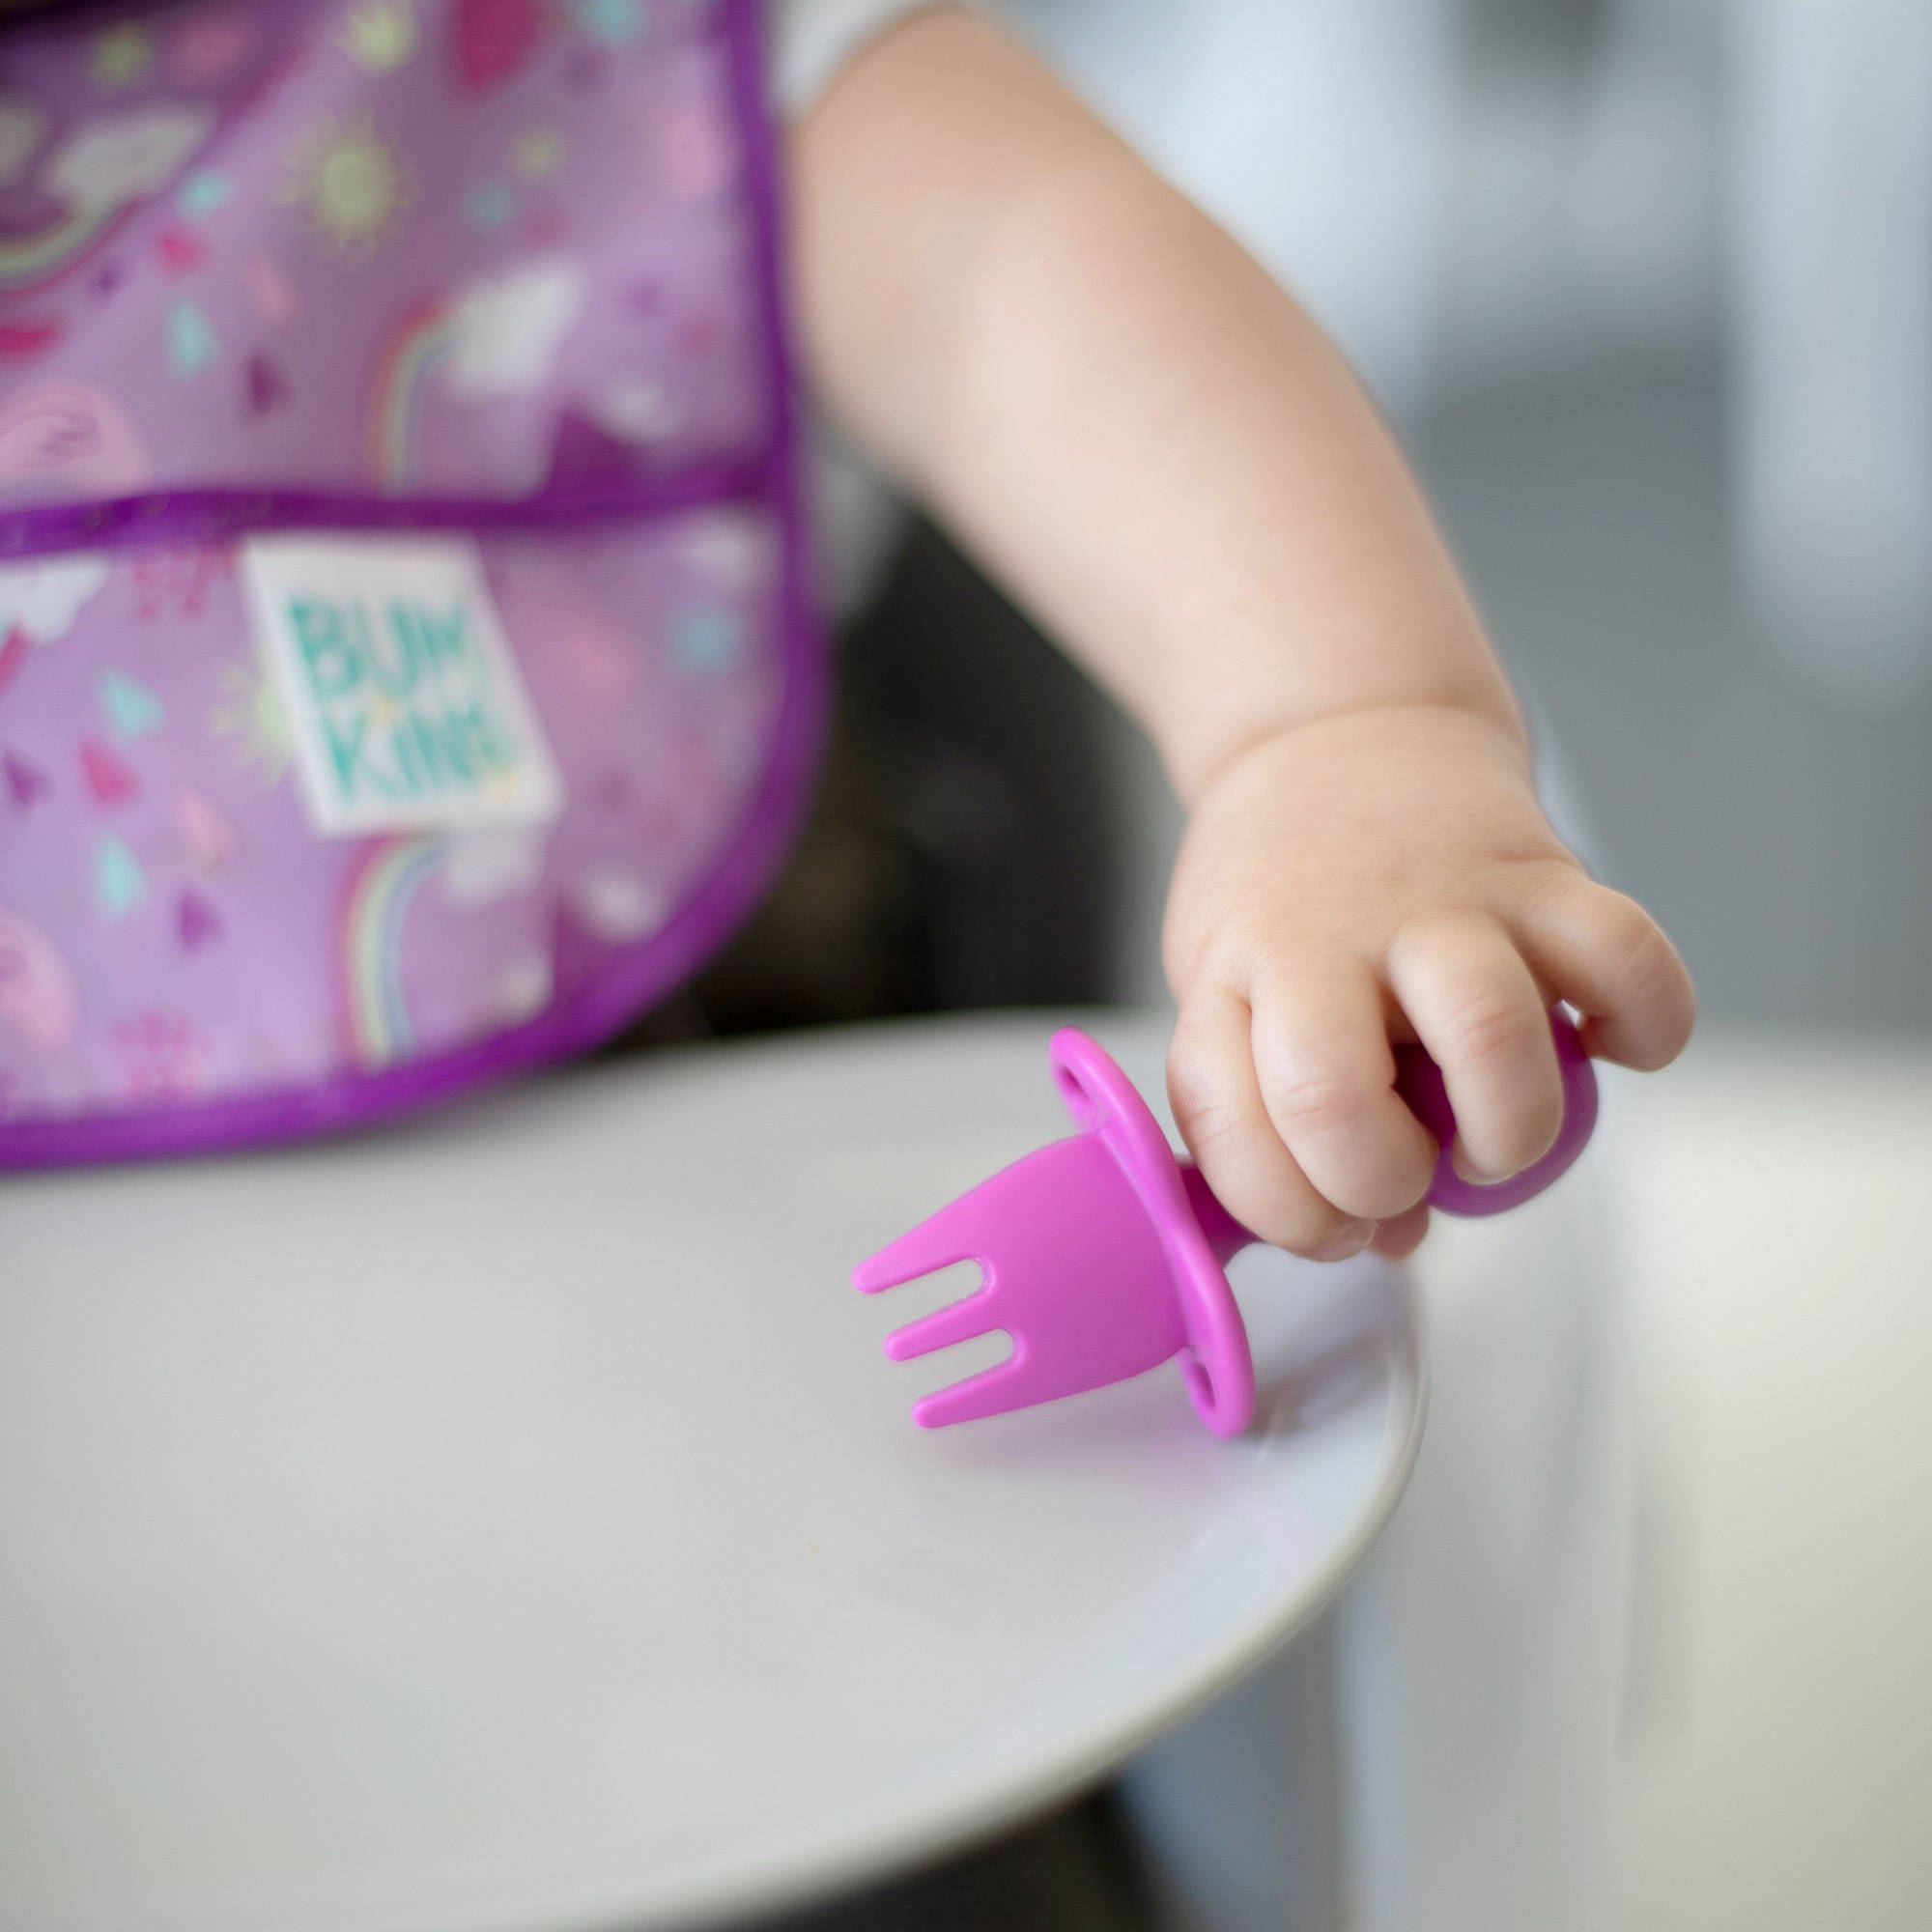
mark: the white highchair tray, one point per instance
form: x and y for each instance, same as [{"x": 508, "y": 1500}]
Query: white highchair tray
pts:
[{"x": 510, "y": 1521}]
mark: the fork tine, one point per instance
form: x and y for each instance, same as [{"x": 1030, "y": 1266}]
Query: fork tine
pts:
[
  {"x": 960, "y": 1321},
  {"x": 972, "y": 1226},
  {"x": 993, "y": 1391},
  {"x": 934, "y": 1244}
]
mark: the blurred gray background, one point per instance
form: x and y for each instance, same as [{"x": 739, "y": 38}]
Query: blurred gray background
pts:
[{"x": 1648, "y": 286}]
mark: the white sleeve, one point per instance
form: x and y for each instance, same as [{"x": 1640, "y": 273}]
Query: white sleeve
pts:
[{"x": 813, "y": 40}]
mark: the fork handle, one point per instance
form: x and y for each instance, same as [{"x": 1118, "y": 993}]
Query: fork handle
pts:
[{"x": 1419, "y": 1081}]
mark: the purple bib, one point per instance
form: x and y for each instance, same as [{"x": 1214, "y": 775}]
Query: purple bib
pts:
[{"x": 404, "y": 668}]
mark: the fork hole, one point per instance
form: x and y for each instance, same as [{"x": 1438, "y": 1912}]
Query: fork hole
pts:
[
  {"x": 1200, "y": 1381},
  {"x": 927, "y": 1374},
  {"x": 926, "y": 1293},
  {"x": 1079, "y": 1102}
]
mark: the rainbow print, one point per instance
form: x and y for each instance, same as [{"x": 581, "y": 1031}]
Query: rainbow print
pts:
[
  {"x": 381, "y": 892},
  {"x": 402, "y": 386},
  {"x": 29, "y": 261}
]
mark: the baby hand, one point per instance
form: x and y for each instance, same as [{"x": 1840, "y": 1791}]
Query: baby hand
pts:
[{"x": 1382, "y": 877}]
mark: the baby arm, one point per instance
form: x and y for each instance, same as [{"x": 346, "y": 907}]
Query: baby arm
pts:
[{"x": 1164, "y": 460}]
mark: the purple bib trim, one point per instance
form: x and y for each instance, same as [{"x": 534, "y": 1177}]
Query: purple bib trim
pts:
[{"x": 191, "y": 518}]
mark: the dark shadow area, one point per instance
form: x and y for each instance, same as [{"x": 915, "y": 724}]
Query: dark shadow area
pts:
[
  {"x": 959, "y": 855},
  {"x": 1077, "y": 1871}
]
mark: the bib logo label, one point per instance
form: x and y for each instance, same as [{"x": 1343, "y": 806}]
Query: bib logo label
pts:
[{"x": 403, "y": 701}]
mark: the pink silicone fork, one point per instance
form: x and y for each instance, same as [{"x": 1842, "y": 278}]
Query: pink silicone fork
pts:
[{"x": 1104, "y": 1256}]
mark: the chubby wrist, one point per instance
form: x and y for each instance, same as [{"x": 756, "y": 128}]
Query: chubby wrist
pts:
[{"x": 1485, "y": 720}]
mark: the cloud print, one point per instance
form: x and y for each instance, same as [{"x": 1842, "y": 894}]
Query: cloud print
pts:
[
  {"x": 481, "y": 868},
  {"x": 507, "y": 333},
  {"x": 107, "y": 164},
  {"x": 44, "y": 599}
]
